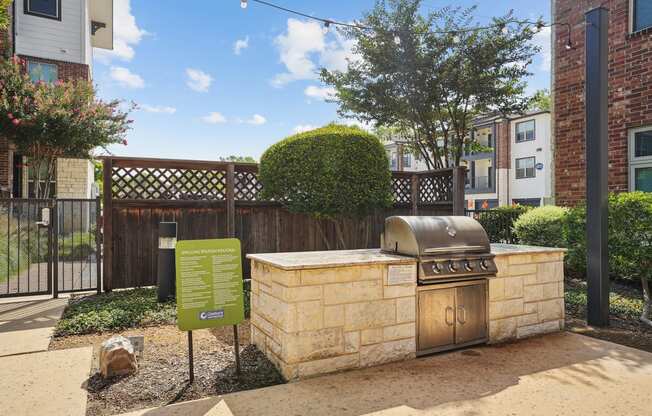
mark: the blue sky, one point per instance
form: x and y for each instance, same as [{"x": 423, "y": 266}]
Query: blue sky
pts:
[{"x": 214, "y": 80}]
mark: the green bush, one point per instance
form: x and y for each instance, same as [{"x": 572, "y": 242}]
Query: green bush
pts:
[
  {"x": 334, "y": 171},
  {"x": 77, "y": 246},
  {"x": 630, "y": 236},
  {"x": 499, "y": 222},
  {"x": 542, "y": 226}
]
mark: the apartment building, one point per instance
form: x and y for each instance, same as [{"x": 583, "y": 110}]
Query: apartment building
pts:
[
  {"x": 630, "y": 97},
  {"x": 513, "y": 165},
  {"x": 55, "y": 38}
]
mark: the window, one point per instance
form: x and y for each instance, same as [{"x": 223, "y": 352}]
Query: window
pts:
[
  {"x": 640, "y": 159},
  {"x": 525, "y": 131},
  {"x": 527, "y": 202},
  {"x": 407, "y": 160},
  {"x": 42, "y": 180},
  {"x": 44, "y": 8},
  {"x": 39, "y": 71},
  {"x": 525, "y": 168},
  {"x": 641, "y": 15},
  {"x": 393, "y": 161}
]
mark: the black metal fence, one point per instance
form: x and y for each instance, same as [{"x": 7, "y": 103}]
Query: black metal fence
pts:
[
  {"x": 49, "y": 252},
  {"x": 498, "y": 223}
]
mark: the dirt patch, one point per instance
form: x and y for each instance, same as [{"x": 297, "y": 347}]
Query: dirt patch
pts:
[
  {"x": 624, "y": 328},
  {"x": 163, "y": 370}
]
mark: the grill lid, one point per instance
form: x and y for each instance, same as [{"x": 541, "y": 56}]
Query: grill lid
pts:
[{"x": 430, "y": 236}]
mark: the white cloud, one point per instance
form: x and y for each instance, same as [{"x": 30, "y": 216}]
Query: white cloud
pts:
[
  {"x": 126, "y": 78},
  {"x": 320, "y": 93},
  {"x": 240, "y": 44},
  {"x": 198, "y": 80},
  {"x": 305, "y": 47},
  {"x": 257, "y": 120},
  {"x": 126, "y": 34},
  {"x": 158, "y": 109},
  {"x": 214, "y": 118},
  {"x": 303, "y": 127},
  {"x": 543, "y": 40}
]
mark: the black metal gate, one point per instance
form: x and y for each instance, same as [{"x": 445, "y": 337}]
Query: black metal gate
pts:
[{"x": 49, "y": 246}]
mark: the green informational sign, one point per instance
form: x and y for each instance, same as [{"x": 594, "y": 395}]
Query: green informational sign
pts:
[{"x": 209, "y": 283}]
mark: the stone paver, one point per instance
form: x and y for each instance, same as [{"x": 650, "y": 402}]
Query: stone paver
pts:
[
  {"x": 26, "y": 327},
  {"x": 45, "y": 383},
  {"x": 560, "y": 374}
]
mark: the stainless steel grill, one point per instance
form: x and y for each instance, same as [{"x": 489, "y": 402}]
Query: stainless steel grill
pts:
[
  {"x": 454, "y": 262},
  {"x": 448, "y": 248}
]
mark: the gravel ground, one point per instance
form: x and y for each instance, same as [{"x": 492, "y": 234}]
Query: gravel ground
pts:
[{"x": 162, "y": 377}]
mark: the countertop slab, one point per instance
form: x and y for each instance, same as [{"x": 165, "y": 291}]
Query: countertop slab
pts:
[
  {"x": 327, "y": 259},
  {"x": 342, "y": 258},
  {"x": 507, "y": 249}
]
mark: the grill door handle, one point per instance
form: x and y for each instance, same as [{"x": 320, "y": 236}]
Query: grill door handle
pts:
[
  {"x": 461, "y": 316},
  {"x": 452, "y": 320}
]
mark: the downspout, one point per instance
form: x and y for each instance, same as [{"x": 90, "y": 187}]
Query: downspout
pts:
[
  {"x": 552, "y": 199},
  {"x": 13, "y": 28}
]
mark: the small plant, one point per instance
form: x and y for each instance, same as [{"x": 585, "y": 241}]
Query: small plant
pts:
[{"x": 542, "y": 226}]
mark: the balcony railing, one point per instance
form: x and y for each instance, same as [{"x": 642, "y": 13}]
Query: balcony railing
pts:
[{"x": 478, "y": 182}]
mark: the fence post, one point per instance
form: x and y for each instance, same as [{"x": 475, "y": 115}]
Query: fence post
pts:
[
  {"x": 230, "y": 200},
  {"x": 107, "y": 217},
  {"x": 98, "y": 244},
  {"x": 414, "y": 194},
  {"x": 458, "y": 190},
  {"x": 55, "y": 248}
]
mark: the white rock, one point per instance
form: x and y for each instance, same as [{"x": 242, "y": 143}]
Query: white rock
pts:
[{"x": 117, "y": 357}]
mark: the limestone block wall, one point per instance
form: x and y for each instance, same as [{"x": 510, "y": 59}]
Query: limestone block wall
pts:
[
  {"x": 75, "y": 178},
  {"x": 315, "y": 321},
  {"x": 527, "y": 295}
]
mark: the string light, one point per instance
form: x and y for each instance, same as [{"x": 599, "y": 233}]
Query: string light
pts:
[{"x": 503, "y": 25}]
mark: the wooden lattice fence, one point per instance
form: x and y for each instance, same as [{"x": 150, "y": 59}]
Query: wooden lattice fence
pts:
[{"x": 217, "y": 200}]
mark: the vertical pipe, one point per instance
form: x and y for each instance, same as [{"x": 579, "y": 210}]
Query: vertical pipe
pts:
[
  {"x": 597, "y": 165},
  {"x": 54, "y": 224}
]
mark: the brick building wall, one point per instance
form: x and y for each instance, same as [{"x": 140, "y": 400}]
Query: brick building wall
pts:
[
  {"x": 67, "y": 71},
  {"x": 630, "y": 95}
]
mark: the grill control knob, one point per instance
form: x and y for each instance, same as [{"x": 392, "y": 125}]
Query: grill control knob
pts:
[
  {"x": 452, "y": 266},
  {"x": 467, "y": 266},
  {"x": 435, "y": 268},
  {"x": 484, "y": 265}
]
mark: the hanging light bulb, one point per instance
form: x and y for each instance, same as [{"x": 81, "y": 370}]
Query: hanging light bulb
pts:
[
  {"x": 540, "y": 25},
  {"x": 397, "y": 40},
  {"x": 569, "y": 45},
  {"x": 243, "y": 4}
]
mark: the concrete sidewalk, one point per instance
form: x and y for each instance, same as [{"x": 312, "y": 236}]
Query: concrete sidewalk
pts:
[
  {"x": 27, "y": 327},
  {"x": 33, "y": 380},
  {"x": 561, "y": 374}
]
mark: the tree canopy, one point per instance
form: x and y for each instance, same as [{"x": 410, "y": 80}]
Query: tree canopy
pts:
[
  {"x": 46, "y": 121},
  {"x": 428, "y": 77}
]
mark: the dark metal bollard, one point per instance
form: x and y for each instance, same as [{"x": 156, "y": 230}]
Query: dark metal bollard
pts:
[{"x": 166, "y": 279}]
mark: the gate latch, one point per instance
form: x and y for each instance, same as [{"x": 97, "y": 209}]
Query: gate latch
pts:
[{"x": 45, "y": 218}]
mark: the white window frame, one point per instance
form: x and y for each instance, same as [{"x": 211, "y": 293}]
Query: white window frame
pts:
[
  {"x": 632, "y": 29},
  {"x": 407, "y": 160},
  {"x": 45, "y": 15},
  {"x": 534, "y": 131},
  {"x": 42, "y": 64},
  {"x": 534, "y": 168},
  {"x": 636, "y": 162}
]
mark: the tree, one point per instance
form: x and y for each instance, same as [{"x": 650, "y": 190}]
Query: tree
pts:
[
  {"x": 540, "y": 100},
  {"x": 4, "y": 27},
  {"x": 62, "y": 119},
  {"x": 428, "y": 77},
  {"x": 333, "y": 173},
  {"x": 238, "y": 159}
]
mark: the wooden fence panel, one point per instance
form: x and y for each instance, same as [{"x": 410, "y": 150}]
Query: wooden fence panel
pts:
[{"x": 205, "y": 197}]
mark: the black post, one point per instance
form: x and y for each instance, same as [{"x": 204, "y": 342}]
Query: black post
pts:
[
  {"x": 191, "y": 360},
  {"x": 167, "y": 238},
  {"x": 236, "y": 346},
  {"x": 597, "y": 165}
]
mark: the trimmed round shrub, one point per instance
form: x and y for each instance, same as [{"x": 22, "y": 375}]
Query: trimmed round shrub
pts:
[
  {"x": 332, "y": 172},
  {"x": 542, "y": 226}
]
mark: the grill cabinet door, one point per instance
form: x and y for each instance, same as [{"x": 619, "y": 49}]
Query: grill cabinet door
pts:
[
  {"x": 471, "y": 313},
  {"x": 436, "y": 318}
]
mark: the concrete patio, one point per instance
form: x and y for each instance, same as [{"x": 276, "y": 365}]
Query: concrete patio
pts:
[{"x": 561, "y": 374}]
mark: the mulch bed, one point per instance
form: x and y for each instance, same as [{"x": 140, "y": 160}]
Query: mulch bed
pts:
[
  {"x": 162, "y": 376},
  {"x": 625, "y": 331}
]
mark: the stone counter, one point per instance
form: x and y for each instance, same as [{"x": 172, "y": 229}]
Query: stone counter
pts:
[{"x": 319, "y": 312}]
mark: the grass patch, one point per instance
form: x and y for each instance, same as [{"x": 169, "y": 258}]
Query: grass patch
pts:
[
  {"x": 121, "y": 310},
  {"x": 115, "y": 311},
  {"x": 624, "y": 302}
]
